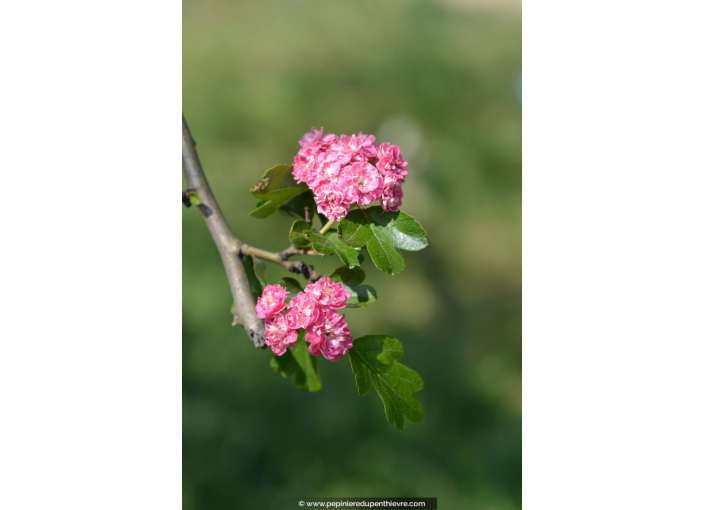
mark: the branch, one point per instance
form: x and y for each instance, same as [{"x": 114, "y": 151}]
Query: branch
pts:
[
  {"x": 282, "y": 257},
  {"x": 225, "y": 240}
]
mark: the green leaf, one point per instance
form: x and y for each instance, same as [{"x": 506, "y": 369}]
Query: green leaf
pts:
[
  {"x": 297, "y": 361},
  {"x": 276, "y": 187},
  {"x": 296, "y": 236},
  {"x": 194, "y": 198},
  {"x": 291, "y": 284},
  {"x": 297, "y": 206},
  {"x": 329, "y": 243},
  {"x": 360, "y": 295},
  {"x": 374, "y": 363},
  {"x": 383, "y": 233},
  {"x": 256, "y": 271},
  {"x": 286, "y": 364}
]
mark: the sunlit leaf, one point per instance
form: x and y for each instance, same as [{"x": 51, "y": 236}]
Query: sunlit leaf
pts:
[
  {"x": 330, "y": 243},
  {"x": 383, "y": 234}
]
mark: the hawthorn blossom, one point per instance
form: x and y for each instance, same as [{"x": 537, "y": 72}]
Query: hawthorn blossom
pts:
[
  {"x": 391, "y": 163},
  {"x": 304, "y": 162},
  {"x": 391, "y": 197},
  {"x": 328, "y": 294},
  {"x": 273, "y": 300},
  {"x": 329, "y": 336},
  {"x": 311, "y": 310},
  {"x": 303, "y": 310},
  {"x": 368, "y": 182},
  {"x": 349, "y": 170},
  {"x": 317, "y": 136},
  {"x": 332, "y": 201},
  {"x": 279, "y": 335},
  {"x": 359, "y": 148},
  {"x": 326, "y": 170}
]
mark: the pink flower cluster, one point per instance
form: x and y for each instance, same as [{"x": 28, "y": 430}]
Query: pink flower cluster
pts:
[
  {"x": 349, "y": 169},
  {"x": 313, "y": 310}
]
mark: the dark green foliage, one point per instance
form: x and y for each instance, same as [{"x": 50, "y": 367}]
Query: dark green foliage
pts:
[
  {"x": 296, "y": 235},
  {"x": 296, "y": 207},
  {"x": 374, "y": 363},
  {"x": 256, "y": 273},
  {"x": 330, "y": 243},
  {"x": 275, "y": 189},
  {"x": 291, "y": 284},
  {"x": 383, "y": 234},
  {"x": 360, "y": 295},
  {"x": 298, "y": 362}
]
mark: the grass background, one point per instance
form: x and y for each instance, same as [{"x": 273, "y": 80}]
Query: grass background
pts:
[{"x": 442, "y": 80}]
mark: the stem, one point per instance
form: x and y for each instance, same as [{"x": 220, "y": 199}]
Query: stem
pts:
[
  {"x": 282, "y": 257},
  {"x": 327, "y": 226},
  {"x": 224, "y": 239},
  {"x": 231, "y": 248}
]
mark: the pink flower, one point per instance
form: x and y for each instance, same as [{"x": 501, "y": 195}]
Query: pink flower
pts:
[
  {"x": 368, "y": 145},
  {"x": 367, "y": 182},
  {"x": 349, "y": 169},
  {"x": 279, "y": 335},
  {"x": 273, "y": 300},
  {"x": 304, "y": 162},
  {"x": 317, "y": 136},
  {"x": 391, "y": 197},
  {"x": 302, "y": 311},
  {"x": 328, "y": 294},
  {"x": 326, "y": 170},
  {"x": 333, "y": 201},
  {"x": 329, "y": 336},
  {"x": 359, "y": 148},
  {"x": 391, "y": 162}
]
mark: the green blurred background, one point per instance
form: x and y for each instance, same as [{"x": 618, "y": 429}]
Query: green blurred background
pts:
[{"x": 442, "y": 80}]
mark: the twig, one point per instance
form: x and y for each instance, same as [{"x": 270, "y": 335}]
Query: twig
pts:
[
  {"x": 231, "y": 248},
  {"x": 282, "y": 257},
  {"x": 225, "y": 240}
]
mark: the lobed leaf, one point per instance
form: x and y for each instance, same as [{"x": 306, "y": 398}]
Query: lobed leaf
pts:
[
  {"x": 276, "y": 188},
  {"x": 330, "y": 243},
  {"x": 383, "y": 234},
  {"x": 374, "y": 363}
]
